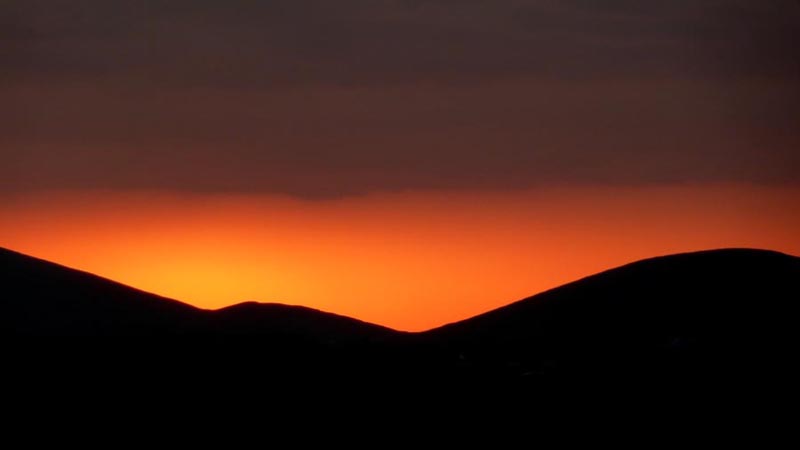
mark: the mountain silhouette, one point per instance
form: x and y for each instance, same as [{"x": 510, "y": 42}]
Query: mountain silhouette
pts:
[
  {"x": 731, "y": 309},
  {"x": 707, "y": 312},
  {"x": 43, "y": 298}
]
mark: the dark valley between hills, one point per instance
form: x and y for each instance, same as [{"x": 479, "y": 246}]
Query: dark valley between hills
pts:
[{"x": 712, "y": 313}]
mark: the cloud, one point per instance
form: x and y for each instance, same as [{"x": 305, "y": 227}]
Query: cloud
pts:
[
  {"x": 321, "y": 98},
  {"x": 365, "y": 42}
]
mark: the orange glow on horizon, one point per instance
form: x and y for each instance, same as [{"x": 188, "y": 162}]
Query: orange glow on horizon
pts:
[{"x": 410, "y": 261}]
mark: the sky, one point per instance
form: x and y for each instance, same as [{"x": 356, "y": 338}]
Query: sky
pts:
[{"x": 357, "y": 111}]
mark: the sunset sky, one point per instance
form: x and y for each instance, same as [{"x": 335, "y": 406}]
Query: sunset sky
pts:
[{"x": 405, "y": 162}]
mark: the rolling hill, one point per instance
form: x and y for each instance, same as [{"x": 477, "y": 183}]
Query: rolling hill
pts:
[
  {"x": 704, "y": 312},
  {"x": 732, "y": 308},
  {"x": 41, "y": 298}
]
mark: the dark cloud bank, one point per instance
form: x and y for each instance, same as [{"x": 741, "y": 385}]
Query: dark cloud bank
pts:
[{"x": 324, "y": 98}]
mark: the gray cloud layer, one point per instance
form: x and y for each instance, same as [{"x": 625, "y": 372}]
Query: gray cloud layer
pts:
[{"x": 322, "y": 98}]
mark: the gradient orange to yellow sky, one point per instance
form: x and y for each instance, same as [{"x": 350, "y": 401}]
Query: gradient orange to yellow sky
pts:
[{"x": 410, "y": 261}]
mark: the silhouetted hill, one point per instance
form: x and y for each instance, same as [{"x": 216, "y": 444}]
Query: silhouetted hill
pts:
[
  {"x": 40, "y": 298},
  {"x": 270, "y": 319},
  {"x": 712, "y": 312},
  {"x": 730, "y": 308}
]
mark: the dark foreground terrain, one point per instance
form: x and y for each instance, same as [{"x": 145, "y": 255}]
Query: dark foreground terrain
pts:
[{"x": 725, "y": 315}]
